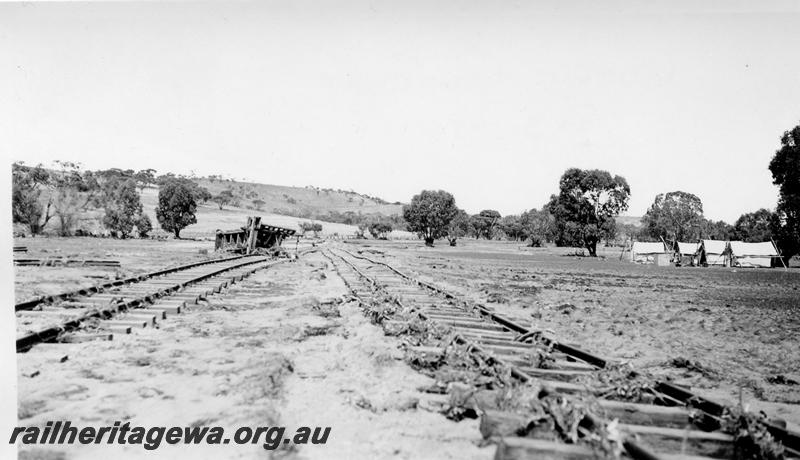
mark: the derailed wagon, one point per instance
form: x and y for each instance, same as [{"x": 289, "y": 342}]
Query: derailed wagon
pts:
[{"x": 253, "y": 236}]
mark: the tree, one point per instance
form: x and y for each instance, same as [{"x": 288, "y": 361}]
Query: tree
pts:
[
  {"x": 176, "y": 206},
  {"x": 315, "y": 227},
  {"x": 259, "y": 204},
  {"x": 513, "y": 227},
  {"x": 675, "y": 216},
  {"x": 380, "y": 227},
  {"x": 458, "y": 227},
  {"x": 484, "y": 223},
  {"x": 73, "y": 191},
  {"x": 201, "y": 194},
  {"x": 539, "y": 225},
  {"x": 755, "y": 227},
  {"x": 626, "y": 232},
  {"x": 785, "y": 169},
  {"x": 719, "y": 230},
  {"x": 586, "y": 207},
  {"x": 430, "y": 213},
  {"x": 224, "y": 197},
  {"x": 28, "y": 185},
  {"x": 144, "y": 178},
  {"x": 123, "y": 207}
]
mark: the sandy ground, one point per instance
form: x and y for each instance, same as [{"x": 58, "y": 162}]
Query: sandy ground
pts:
[
  {"x": 734, "y": 328},
  {"x": 280, "y": 349},
  {"x": 135, "y": 257}
]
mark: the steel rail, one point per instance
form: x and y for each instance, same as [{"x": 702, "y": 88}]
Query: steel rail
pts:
[
  {"x": 636, "y": 451},
  {"x": 31, "y": 304},
  {"x": 789, "y": 439},
  {"x": 51, "y": 333}
]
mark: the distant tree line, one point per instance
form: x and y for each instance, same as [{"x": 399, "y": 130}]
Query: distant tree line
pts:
[
  {"x": 56, "y": 197},
  {"x": 583, "y": 213},
  {"x": 39, "y": 195}
]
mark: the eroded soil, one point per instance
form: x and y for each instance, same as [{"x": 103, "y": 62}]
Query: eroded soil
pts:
[
  {"x": 286, "y": 347},
  {"x": 719, "y": 331}
]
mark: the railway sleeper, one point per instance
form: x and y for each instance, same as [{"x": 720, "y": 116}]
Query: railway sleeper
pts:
[
  {"x": 457, "y": 318},
  {"x": 467, "y": 326},
  {"x": 475, "y": 335},
  {"x": 136, "y": 315},
  {"x": 134, "y": 323},
  {"x": 506, "y": 343},
  {"x": 515, "y": 448},
  {"x": 160, "y": 314},
  {"x": 116, "y": 328},
  {"x": 170, "y": 306},
  {"x": 80, "y": 337},
  {"x": 662, "y": 439},
  {"x": 188, "y": 298},
  {"x": 78, "y": 304},
  {"x": 496, "y": 424},
  {"x": 559, "y": 360}
]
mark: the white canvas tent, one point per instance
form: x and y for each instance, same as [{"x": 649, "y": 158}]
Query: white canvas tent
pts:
[
  {"x": 713, "y": 252},
  {"x": 687, "y": 251},
  {"x": 649, "y": 253},
  {"x": 752, "y": 254}
]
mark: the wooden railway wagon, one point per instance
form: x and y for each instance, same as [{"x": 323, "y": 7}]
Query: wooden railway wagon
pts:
[{"x": 252, "y": 236}]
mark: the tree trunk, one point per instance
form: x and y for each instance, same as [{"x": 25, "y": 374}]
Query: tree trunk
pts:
[
  {"x": 177, "y": 233},
  {"x": 429, "y": 241},
  {"x": 591, "y": 245}
]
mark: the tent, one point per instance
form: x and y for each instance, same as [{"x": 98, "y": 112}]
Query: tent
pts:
[
  {"x": 649, "y": 253},
  {"x": 714, "y": 252},
  {"x": 686, "y": 252},
  {"x": 752, "y": 254}
]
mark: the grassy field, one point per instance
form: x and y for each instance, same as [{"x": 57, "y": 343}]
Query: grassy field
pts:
[{"x": 717, "y": 330}]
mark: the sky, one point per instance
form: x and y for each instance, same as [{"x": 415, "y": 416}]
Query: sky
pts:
[{"x": 490, "y": 101}]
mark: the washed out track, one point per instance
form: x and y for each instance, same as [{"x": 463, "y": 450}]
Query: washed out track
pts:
[
  {"x": 677, "y": 424},
  {"x": 98, "y": 312}
]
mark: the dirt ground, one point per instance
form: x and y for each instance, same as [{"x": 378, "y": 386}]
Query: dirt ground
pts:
[
  {"x": 135, "y": 256},
  {"x": 713, "y": 329},
  {"x": 286, "y": 349},
  {"x": 283, "y": 348}
]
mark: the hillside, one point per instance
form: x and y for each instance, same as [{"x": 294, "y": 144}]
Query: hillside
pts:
[
  {"x": 300, "y": 201},
  {"x": 630, "y": 220},
  {"x": 210, "y": 218}
]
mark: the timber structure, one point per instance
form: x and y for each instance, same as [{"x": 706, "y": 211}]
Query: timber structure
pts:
[{"x": 252, "y": 236}]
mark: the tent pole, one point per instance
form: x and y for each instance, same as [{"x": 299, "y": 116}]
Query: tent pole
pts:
[
  {"x": 775, "y": 246},
  {"x": 623, "y": 250}
]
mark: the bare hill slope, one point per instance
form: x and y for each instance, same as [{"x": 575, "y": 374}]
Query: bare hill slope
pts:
[{"x": 300, "y": 201}]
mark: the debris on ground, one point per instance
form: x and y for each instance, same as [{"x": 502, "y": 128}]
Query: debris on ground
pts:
[
  {"x": 781, "y": 379},
  {"x": 694, "y": 366}
]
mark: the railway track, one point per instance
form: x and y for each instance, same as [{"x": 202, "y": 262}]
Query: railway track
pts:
[
  {"x": 665, "y": 421},
  {"x": 97, "y": 312}
]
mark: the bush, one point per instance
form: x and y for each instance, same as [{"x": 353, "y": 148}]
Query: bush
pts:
[{"x": 143, "y": 225}]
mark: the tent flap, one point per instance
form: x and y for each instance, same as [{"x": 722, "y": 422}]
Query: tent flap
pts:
[{"x": 688, "y": 249}]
